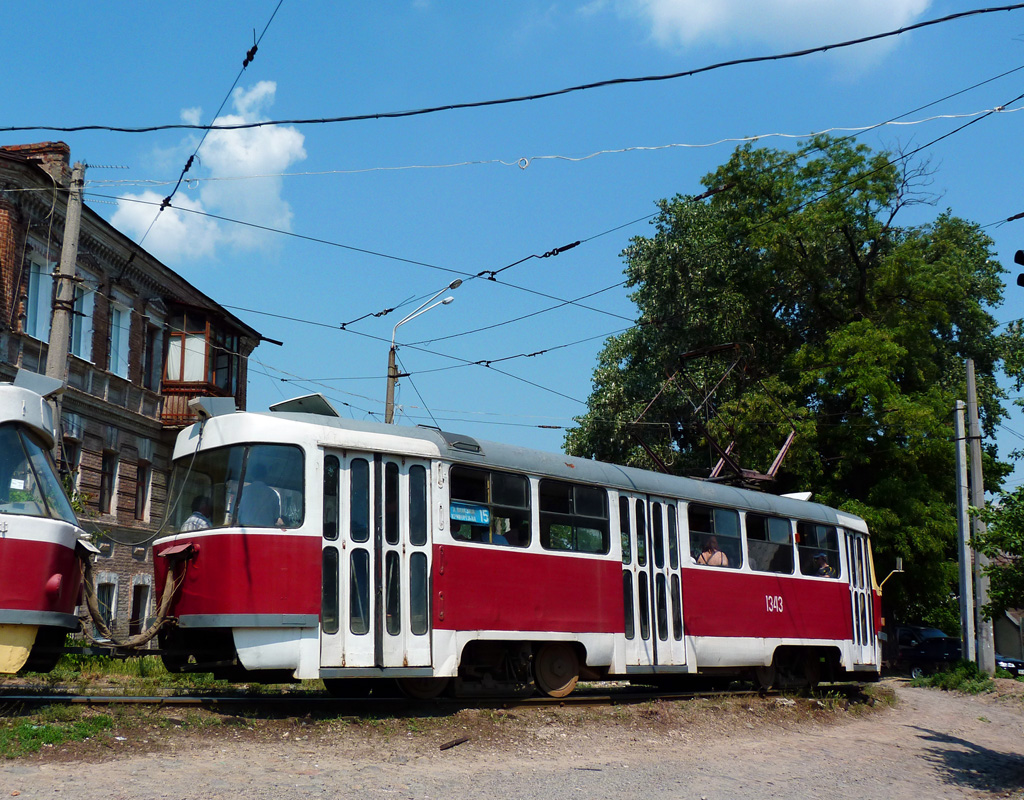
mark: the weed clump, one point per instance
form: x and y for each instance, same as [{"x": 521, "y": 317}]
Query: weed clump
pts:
[{"x": 963, "y": 676}]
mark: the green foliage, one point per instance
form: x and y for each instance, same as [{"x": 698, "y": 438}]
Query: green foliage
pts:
[
  {"x": 964, "y": 677},
  {"x": 79, "y": 500},
  {"x": 1003, "y": 543},
  {"x": 855, "y": 332},
  {"x": 19, "y": 738}
]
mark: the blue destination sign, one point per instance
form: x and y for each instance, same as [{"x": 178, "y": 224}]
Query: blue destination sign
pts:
[{"x": 475, "y": 515}]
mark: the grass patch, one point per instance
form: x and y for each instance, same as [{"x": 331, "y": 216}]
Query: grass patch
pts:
[
  {"x": 27, "y": 736},
  {"x": 964, "y": 677}
]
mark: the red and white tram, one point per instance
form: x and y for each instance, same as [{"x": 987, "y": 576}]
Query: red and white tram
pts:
[
  {"x": 329, "y": 548},
  {"x": 40, "y": 574}
]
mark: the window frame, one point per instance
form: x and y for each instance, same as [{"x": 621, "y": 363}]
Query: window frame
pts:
[
  {"x": 521, "y": 516},
  {"x": 697, "y": 538},
  {"x": 573, "y": 518}
]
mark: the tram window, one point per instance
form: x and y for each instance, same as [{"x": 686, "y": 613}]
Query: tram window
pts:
[
  {"x": 815, "y": 541},
  {"x": 490, "y": 507},
  {"x": 359, "y": 500},
  {"x": 770, "y": 544},
  {"x": 359, "y": 592},
  {"x": 332, "y": 483},
  {"x": 677, "y": 610},
  {"x": 624, "y": 535},
  {"x": 419, "y": 608},
  {"x": 573, "y": 517},
  {"x": 641, "y": 533},
  {"x": 28, "y": 478},
  {"x": 392, "y": 593},
  {"x": 657, "y": 535},
  {"x": 643, "y": 593},
  {"x": 673, "y": 538},
  {"x": 258, "y": 485},
  {"x": 714, "y": 536},
  {"x": 662, "y": 604},
  {"x": 329, "y": 614},
  {"x": 391, "y": 503},
  {"x": 417, "y": 505},
  {"x": 627, "y": 603},
  {"x": 272, "y": 487}
]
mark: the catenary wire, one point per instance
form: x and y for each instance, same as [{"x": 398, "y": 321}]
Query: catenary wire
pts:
[{"x": 535, "y": 96}]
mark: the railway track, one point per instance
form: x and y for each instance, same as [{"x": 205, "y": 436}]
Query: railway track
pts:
[{"x": 305, "y": 702}]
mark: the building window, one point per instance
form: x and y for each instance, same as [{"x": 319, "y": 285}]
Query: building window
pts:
[
  {"x": 199, "y": 352},
  {"x": 140, "y": 608},
  {"x": 120, "y": 327},
  {"x": 39, "y": 301},
  {"x": 81, "y": 322},
  {"x": 106, "y": 599},
  {"x": 108, "y": 483},
  {"x": 143, "y": 480},
  {"x": 152, "y": 357}
]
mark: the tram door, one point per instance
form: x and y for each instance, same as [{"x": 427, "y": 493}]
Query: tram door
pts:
[
  {"x": 652, "y": 592},
  {"x": 860, "y": 598},
  {"x": 376, "y": 561}
]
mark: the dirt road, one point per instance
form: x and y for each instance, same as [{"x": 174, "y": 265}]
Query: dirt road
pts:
[{"x": 930, "y": 745}]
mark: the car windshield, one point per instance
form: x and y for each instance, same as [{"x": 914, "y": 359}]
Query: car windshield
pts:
[{"x": 933, "y": 633}]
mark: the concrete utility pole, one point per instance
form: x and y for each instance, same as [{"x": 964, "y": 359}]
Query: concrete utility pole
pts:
[
  {"x": 986, "y": 643},
  {"x": 963, "y": 538},
  {"x": 64, "y": 301}
]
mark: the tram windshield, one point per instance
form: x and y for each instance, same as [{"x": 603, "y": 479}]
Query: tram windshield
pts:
[
  {"x": 28, "y": 479},
  {"x": 253, "y": 485}
]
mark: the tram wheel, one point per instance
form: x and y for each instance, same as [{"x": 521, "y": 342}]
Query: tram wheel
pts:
[
  {"x": 765, "y": 677},
  {"x": 556, "y": 669},
  {"x": 423, "y": 688}
]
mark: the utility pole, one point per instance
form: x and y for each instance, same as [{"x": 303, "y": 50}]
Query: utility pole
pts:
[
  {"x": 64, "y": 301},
  {"x": 986, "y": 645},
  {"x": 389, "y": 397},
  {"x": 963, "y": 538}
]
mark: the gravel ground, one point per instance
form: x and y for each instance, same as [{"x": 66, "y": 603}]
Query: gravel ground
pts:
[{"x": 931, "y": 744}]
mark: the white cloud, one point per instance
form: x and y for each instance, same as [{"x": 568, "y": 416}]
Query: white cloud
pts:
[
  {"x": 177, "y": 234},
  {"x": 267, "y": 151},
  {"x": 787, "y": 23}
]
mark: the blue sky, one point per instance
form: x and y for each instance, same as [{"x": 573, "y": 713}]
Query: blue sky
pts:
[{"x": 470, "y": 190}]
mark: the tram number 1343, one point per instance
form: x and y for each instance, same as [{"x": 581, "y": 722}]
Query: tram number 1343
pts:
[{"x": 774, "y": 603}]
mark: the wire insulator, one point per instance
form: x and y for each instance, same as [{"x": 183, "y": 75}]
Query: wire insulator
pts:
[{"x": 249, "y": 56}]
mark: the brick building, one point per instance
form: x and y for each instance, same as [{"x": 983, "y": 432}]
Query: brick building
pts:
[{"x": 143, "y": 342}]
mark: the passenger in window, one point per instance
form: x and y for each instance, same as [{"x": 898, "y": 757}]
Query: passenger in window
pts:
[
  {"x": 202, "y": 510},
  {"x": 260, "y": 505},
  {"x": 711, "y": 555},
  {"x": 823, "y": 570}
]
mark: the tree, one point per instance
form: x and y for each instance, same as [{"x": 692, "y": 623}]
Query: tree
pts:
[
  {"x": 1003, "y": 543},
  {"x": 858, "y": 331}
]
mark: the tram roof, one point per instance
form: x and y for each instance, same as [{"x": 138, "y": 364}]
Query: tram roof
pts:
[
  {"x": 19, "y": 404},
  {"x": 434, "y": 443}
]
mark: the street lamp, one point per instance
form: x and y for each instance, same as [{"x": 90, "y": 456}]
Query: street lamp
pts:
[{"x": 389, "y": 406}]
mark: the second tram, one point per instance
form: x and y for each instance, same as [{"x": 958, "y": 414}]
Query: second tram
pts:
[{"x": 318, "y": 547}]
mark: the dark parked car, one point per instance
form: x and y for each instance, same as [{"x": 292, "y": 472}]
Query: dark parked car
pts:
[
  {"x": 1014, "y": 666},
  {"x": 922, "y": 650}
]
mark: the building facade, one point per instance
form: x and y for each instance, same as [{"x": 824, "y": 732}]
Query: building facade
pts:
[{"x": 143, "y": 342}]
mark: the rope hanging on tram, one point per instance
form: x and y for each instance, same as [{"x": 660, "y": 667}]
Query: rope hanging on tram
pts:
[{"x": 171, "y": 587}]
